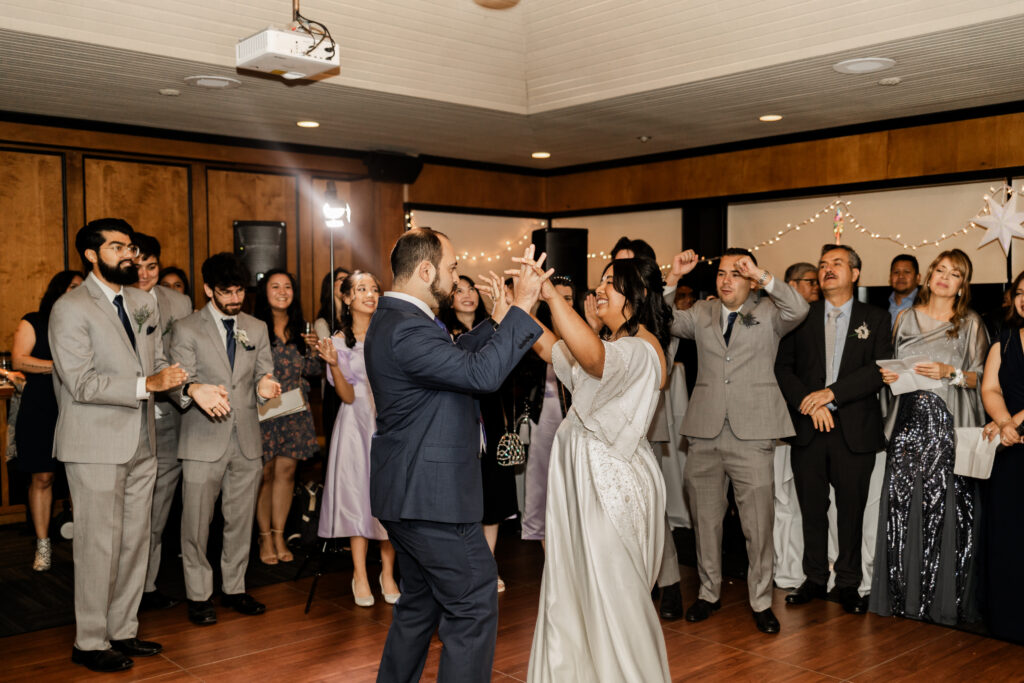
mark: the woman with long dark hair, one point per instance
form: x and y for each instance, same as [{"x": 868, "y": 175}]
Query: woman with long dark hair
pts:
[
  {"x": 345, "y": 511},
  {"x": 605, "y": 516},
  {"x": 465, "y": 311},
  {"x": 1002, "y": 390},
  {"x": 289, "y": 438},
  {"x": 928, "y": 516},
  {"x": 37, "y": 416},
  {"x": 330, "y": 287}
]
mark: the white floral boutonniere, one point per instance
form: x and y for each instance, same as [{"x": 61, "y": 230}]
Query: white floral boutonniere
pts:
[
  {"x": 141, "y": 316},
  {"x": 242, "y": 338},
  {"x": 862, "y": 332}
]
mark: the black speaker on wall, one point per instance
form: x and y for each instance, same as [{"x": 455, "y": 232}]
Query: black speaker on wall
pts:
[
  {"x": 262, "y": 246},
  {"x": 567, "y": 254},
  {"x": 386, "y": 167}
]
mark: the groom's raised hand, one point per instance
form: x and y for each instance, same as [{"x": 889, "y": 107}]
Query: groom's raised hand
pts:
[{"x": 529, "y": 279}]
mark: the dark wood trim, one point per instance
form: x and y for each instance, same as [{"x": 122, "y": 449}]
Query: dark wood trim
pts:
[
  {"x": 440, "y": 208},
  {"x": 168, "y": 134},
  {"x": 1014, "y": 107}
]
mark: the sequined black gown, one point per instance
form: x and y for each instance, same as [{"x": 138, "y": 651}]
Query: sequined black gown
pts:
[
  {"x": 1004, "y": 510},
  {"x": 928, "y": 522}
]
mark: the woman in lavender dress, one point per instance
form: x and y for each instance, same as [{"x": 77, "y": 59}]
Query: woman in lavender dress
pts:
[{"x": 346, "y": 504}]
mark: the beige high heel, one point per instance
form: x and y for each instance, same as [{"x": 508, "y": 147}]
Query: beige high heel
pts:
[
  {"x": 286, "y": 556},
  {"x": 361, "y": 602},
  {"x": 267, "y": 557},
  {"x": 390, "y": 598}
]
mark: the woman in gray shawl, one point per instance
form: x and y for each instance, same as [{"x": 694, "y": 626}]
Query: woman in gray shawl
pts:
[{"x": 928, "y": 522}]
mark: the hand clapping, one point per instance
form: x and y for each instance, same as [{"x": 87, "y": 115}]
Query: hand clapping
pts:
[{"x": 494, "y": 287}]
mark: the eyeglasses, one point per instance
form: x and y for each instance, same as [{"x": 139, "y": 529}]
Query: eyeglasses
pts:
[
  {"x": 807, "y": 279},
  {"x": 122, "y": 249}
]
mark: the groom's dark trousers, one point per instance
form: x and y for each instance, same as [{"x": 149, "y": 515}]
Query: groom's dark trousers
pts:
[{"x": 425, "y": 482}]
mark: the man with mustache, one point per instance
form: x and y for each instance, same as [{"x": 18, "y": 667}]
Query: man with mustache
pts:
[
  {"x": 733, "y": 419},
  {"x": 222, "y": 456},
  {"x": 827, "y": 371},
  {"x": 109, "y": 362},
  {"x": 425, "y": 479}
]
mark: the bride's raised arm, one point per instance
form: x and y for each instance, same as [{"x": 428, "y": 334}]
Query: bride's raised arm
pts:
[{"x": 583, "y": 342}]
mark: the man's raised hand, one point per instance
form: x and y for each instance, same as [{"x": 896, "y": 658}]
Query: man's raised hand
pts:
[
  {"x": 168, "y": 378},
  {"x": 682, "y": 263},
  {"x": 268, "y": 387},
  {"x": 211, "y": 398}
]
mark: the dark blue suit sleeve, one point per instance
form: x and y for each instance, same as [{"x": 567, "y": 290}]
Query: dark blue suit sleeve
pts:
[
  {"x": 428, "y": 357},
  {"x": 477, "y": 337}
]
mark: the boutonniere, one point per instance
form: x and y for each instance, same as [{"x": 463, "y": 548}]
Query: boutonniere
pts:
[
  {"x": 861, "y": 332},
  {"x": 167, "y": 327},
  {"x": 242, "y": 338},
  {"x": 141, "y": 316},
  {"x": 748, "y": 319}
]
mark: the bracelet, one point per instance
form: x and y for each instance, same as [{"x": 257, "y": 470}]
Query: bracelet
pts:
[
  {"x": 765, "y": 276},
  {"x": 957, "y": 379}
]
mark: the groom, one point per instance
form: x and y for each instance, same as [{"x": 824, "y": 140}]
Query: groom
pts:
[{"x": 425, "y": 485}]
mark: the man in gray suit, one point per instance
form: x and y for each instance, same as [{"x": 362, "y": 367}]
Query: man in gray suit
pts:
[
  {"x": 221, "y": 345},
  {"x": 734, "y": 417},
  {"x": 171, "y": 306},
  {"x": 109, "y": 361}
]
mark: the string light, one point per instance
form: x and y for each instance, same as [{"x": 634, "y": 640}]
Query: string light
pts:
[{"x": 484, "y": 256}]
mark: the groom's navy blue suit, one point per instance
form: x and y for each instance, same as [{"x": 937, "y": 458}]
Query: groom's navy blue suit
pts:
[{"x": 425, "y": 484}]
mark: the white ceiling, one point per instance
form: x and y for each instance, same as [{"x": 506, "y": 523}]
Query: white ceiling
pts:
[{"x": 579, "y": 78}]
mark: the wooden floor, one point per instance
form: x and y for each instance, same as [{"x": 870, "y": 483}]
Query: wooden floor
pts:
[{"x": 338, "y": 641}]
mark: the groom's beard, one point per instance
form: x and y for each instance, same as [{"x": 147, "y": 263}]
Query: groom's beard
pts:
[
  {"x": 440, "y": 296},
  {"x": 119, "y": 275}
]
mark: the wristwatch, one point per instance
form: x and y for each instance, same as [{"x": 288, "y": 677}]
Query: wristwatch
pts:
[{"x": 765, "y": 276}]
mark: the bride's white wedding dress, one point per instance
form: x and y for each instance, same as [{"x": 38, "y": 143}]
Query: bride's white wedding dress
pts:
[{"x": 605, "y": 523}]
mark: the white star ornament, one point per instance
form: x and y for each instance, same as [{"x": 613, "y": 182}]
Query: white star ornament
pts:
[{"x": 1002, "y": 223}]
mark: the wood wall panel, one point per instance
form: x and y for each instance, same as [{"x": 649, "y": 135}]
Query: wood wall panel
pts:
[
  {"x": 452, "y": 186},
  {"x": 153, "y": 198},
  {"x": 250, "y": 196},
  {"x": 32, "y": 228}
]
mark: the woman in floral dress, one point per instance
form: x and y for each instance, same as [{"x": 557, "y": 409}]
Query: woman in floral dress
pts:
[{"x": 289, "y": 438}]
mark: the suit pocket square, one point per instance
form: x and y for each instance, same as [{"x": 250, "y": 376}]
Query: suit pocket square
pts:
[{"x": 150, "y": 330}]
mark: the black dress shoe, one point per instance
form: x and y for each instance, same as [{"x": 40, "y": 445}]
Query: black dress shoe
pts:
[
  {"x": 201, "y": 612},
  {"x": 671, "y": 603},
  {"x": 852, "y": 602},
  {"x": 243, "y": 603},
  {"x": 766, "y": 621},
  {"x": 105, "y": 661},
  {"x": 157, "y": 600},
  {"x": 702, "y": 609},
  {"x": 133, "y": 647},
  {"x": 807, "y": 591}
]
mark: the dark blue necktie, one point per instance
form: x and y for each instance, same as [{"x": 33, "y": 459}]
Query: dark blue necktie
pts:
[
  {"x": 229, "y": 325},
  {"x": 728, "y": 327},
  {"x": 440, "y": 323},
  {"x": 123, "y": 315}
]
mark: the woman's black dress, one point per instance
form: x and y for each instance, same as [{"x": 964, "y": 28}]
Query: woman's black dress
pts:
[{"x": 37, "y": 416}]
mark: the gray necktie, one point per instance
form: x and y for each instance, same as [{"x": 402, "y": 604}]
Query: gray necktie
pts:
[{"x": 830, "y": 344}]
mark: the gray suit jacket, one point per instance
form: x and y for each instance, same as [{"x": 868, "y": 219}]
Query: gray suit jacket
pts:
[
  {"x": 198, "y": 345},
  {"x": 738, "y": 381},
  {"x": 173, "y": 307},
  {"x": 96, "y": 374}
]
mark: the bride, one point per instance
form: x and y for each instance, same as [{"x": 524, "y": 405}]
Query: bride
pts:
[{"x": 606, "y": 495}]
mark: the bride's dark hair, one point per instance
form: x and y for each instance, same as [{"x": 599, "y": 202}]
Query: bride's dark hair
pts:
[{"x": 639, "y": 281}]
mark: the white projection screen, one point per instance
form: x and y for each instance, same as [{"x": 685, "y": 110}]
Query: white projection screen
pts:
[{"x": 915, "y": 214}]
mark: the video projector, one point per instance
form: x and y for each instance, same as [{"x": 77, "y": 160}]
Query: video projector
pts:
[{"x": 283, "y": 53}]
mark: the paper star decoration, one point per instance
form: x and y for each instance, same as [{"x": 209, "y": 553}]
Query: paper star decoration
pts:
[{"x": 1003, "y": 222}]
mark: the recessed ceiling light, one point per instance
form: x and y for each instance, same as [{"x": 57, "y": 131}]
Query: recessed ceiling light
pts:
[
  {"x": 644, "y": 138},
  {"x": 864, "y": 65},
  {"x": 541, "y": 155},
  {"x": 770, "y": 117},
  {"x": 169, "y": 92},
  {"x": 213, "y": 82},
  {"x": 307, "y": 124},
  {"x": 892, "y": 80}
]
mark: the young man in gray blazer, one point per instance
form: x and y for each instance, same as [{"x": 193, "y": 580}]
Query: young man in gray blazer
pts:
[
  {"x": 734, "y": 417},
  {"x": 222, "y": 346},
  {"x": 109, "y": 362},
  {"x": 171, "y": 306}
]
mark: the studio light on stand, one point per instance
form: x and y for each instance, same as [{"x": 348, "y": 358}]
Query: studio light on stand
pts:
[{"x": 337, "y": 215}]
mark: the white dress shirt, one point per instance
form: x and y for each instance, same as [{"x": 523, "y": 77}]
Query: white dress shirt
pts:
[{"x": 418, "y": 303}]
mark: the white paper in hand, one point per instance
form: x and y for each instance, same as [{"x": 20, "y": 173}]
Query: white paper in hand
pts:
[
  {"x": 287, "y": 403},
  {"x": 908, "y": 380},
  {"x": 974, "y": 453}
]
